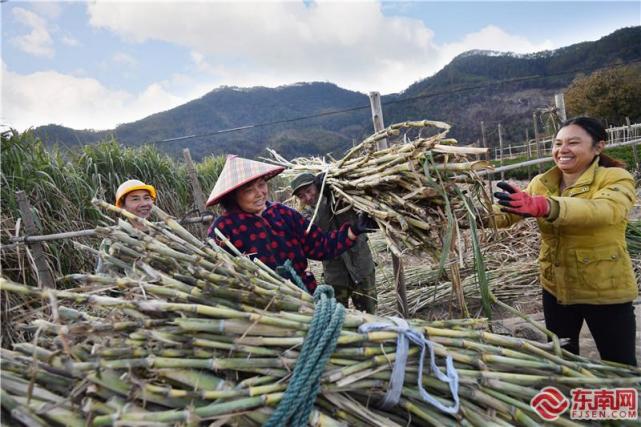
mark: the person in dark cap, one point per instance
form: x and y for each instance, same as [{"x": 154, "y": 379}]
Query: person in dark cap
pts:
[{"x": 352, "y": 274}]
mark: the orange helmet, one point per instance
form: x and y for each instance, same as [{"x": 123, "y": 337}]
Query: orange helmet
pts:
[{"x": 133, "y": 185}]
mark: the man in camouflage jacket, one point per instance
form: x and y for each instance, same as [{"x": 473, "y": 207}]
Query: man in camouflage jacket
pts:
[{"x": 351, "y": 274}]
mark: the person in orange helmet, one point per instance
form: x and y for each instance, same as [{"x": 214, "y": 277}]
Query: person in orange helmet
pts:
[
  {"x": 133, "y": 196},
  {"x": 136, "y": 197}
]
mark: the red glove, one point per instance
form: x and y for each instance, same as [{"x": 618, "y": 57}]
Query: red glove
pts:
[{"x": 521, "y": 203}]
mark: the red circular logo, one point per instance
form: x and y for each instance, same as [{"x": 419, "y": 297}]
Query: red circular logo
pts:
[{"x": 549, "y": 403}]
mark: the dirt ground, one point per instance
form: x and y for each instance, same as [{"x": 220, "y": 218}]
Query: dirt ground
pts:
[{"x": 518, "y": 327}]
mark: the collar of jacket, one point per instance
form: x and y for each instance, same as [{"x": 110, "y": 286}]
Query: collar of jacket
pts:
[{"x": 552, "y": 180}]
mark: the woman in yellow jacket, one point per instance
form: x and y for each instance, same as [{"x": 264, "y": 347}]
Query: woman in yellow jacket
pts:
[{"x": 581, "y": 206}]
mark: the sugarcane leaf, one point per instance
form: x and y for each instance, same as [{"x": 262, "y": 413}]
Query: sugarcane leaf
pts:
[
  {"x": 447, "y": 239},
  {"x": 479, "y": 263},
  {"x": 426, "y": 167}
]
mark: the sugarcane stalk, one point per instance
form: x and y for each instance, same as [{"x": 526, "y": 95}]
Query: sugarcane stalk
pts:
[
  {"x": 22, "y": 413},
  {"x": 183, "y": 344}
]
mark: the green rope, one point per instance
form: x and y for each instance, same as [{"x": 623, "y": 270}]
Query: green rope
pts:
[
  {"x": 318, "y": 346},
  {"x": 287, "y": 271}
]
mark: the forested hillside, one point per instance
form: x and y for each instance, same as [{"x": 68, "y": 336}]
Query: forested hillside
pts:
[{"x": 475, "y": 86}]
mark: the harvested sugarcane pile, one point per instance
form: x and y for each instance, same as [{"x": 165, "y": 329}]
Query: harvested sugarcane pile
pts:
[
  {"x": 633, "y": 240},
  {"x": 512, "y": 284},
  {"x": 189, "y": 334},
  {"x": 512, "y": 271},
  {"x": 404, "y": 188}
]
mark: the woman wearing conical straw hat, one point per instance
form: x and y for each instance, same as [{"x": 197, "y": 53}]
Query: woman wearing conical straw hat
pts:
[
  {"x": 133, "y": 196},
  {"x": 272, "y": 232}
]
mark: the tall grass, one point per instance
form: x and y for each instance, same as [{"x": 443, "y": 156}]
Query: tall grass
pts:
[{"x": 60, "y": 186}]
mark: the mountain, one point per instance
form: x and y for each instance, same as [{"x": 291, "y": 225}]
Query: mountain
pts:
[
  {"x": 232, "y": 107},
  {"x": 476, "y": 86}
]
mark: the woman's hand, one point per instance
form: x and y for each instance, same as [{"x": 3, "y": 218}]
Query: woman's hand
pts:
[{"x": 521, "y": 203}]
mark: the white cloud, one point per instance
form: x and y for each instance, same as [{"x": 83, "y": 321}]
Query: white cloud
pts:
[
  {"x": 243, "y": 44},
  {"x": 79, "y": 72},
  {"x": 270, "y": 43},
  {"x": 69, "y": 41},
  {"x": 50, "y": 97},
  {"x": 50, "y": 9},
  {"x": 351, "y": 44},
  {"x": 38, "y": 42},
  {"x": 492, "y": 37},
  {"x": 124, "y": 59}
]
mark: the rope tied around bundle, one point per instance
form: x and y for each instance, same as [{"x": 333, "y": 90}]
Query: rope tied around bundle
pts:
[
  {"x": 319, "y": 344},
  {"x": 405, "y": 335},
  {"x": 287, "y": 271}
]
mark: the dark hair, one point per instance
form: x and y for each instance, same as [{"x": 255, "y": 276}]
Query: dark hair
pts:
[
  {"x": 595, "y": 129},
  {"x": 229, "y": 202}
]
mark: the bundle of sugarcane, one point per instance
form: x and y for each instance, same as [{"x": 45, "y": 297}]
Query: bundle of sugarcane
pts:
[
  {"x": 404, "y": 188},
  {"x": 517, "y": 282},
  {"x": 510, "y": 258},
  {"x": 633, "y": 238},
  {"x": 188, "y": 334},
  {"x": 512, "y": 272}
]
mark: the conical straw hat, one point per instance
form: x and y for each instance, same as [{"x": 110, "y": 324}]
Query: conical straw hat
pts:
[{"x": 238, "y": 172}]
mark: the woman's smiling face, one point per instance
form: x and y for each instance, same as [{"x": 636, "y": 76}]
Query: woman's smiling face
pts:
[
  {"x": 139, "y": 203},
  {"x": 252, "y": 197},
  {"x": 573, "y": 150}
]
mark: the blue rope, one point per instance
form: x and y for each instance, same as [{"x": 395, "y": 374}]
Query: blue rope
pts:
[
  {"x": 319, "y": 344},
  {"x": 287, "y": 271},
  {"x": 405, "y": 335}
]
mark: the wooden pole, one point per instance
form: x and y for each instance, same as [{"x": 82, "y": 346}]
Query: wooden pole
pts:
[
  {"x": 397, "y": 265},
  {"x": 501, "y": 151},
  {"x": 57, "y": 236},
  {"x": 43, "y": 273},
  {"x": 635, "y": 154},
  {"x": 529, "y": 152},
  {"x": 27, "y": 240},
  {"x": 536, "y": 139},
  {"x": 559, "y": 102},
  {"x": 377, "y": 118},
  {"x": 487, "y": 156},
  {"x": 199, "y": 197},
  {"x": 483, "y": 140}
]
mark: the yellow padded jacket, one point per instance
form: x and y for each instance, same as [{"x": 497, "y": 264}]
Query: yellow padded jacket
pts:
[{"x": 584, "y": 257}]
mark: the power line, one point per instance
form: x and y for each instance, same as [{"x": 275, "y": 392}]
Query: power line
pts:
[
  {"x": 264, "y": 124},
  {"x": 397, "y": 101}
]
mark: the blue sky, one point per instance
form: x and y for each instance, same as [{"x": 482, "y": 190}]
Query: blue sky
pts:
[{"x": 98, "y": 64}]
